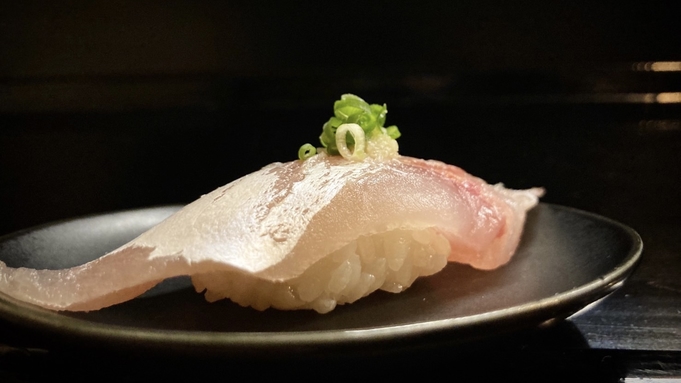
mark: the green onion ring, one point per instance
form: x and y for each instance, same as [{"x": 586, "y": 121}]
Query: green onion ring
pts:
[
  {"x": 306, "y": 151},
  {"x": 357, "y": 133}
]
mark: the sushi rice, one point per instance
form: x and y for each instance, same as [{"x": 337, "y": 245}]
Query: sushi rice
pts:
[{"x": 390, "y": 261}]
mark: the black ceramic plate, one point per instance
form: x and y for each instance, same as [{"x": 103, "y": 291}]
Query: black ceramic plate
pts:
[{"x": 567, "y": 259}]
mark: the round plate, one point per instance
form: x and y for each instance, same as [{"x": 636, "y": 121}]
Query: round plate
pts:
[{"x": 567, "y": 259}]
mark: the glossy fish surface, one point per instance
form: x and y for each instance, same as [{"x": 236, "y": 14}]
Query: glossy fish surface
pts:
[{"x": 275, "y": 223}]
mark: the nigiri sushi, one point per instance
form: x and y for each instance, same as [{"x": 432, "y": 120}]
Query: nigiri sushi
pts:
[{"x": 313, "y": 233}]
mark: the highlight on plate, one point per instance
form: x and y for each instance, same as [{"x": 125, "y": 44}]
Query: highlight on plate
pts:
[{"x": 344, "y": 220}]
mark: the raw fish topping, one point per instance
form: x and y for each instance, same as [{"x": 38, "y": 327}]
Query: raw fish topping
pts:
[{"x": 307, "y": 233}]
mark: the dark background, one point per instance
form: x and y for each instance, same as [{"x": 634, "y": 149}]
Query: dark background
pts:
[
  {"x": 123, "y": 104},
  {"x": 115, "y": 105}
]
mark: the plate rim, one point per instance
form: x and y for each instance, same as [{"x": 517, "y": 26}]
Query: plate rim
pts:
[{"x": 34, "y": 317}]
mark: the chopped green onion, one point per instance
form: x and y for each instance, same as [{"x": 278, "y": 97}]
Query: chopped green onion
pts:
[
  {"x": 351, "y": 109},
  {"x": 393, "y": 132},
  {"x": 306, "y": 151},
  {"x": 357, "y": 134},
  {"x": 350, "y": 105}
]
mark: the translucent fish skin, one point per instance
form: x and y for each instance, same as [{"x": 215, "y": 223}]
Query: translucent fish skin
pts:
[{"x": 275, "y": 223}]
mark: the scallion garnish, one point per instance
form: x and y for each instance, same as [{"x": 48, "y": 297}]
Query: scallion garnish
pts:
[
  {"x": 358, "y": 136},
  {"x": 393, "y": 132},
  {"x": 306, "y": 151},
  {"x": 351, "y": 110}
]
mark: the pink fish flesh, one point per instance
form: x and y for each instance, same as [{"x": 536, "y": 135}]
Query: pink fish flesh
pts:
[{"x": 275, "y": 223}]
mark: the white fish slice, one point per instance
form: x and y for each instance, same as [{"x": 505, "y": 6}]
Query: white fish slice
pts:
[{"x": 274, "y": 224}]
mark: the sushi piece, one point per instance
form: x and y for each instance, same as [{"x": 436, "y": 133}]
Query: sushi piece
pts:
[{"x": 323, "y": 230}]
